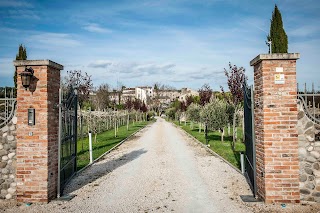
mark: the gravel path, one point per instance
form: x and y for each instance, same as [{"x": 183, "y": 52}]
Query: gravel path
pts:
[{"x": 158, "y": 170}]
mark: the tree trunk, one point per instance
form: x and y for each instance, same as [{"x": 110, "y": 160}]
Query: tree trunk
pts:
[
  {"x": 81, "y": 129},
  {"x": 229, "y": 129},
  {"x": 128, "y": 122},
  {"x": 236, "y": 134},
  {"x": 222, "y": 134},
  {"x": 115, "y": 128},
  {"x": 243, "y": 128},
  {"x": 233, "y": 130},
  {"x": 199, "y": 127}
]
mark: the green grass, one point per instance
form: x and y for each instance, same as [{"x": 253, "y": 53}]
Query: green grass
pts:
[
  {"x": 223, "y": 149},
  {"x": 105, "y": 141}
]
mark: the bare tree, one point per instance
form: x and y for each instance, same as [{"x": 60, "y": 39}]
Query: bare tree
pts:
[
  {"x": 236, "y": 77},
  {"x": 205, "y": 93},
  {"x": 102, "y": 97},
  {"x": 81, "y": 81}
]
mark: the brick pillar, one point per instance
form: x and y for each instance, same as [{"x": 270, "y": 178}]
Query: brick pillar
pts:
[
  {"x": 276, "y": 117},
  {"x": 37, "y": 146}
]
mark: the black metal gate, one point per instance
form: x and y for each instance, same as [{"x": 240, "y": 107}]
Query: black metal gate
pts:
[
  {"x": 250, "y": 156},
  {"x": 68, "y": 104}
]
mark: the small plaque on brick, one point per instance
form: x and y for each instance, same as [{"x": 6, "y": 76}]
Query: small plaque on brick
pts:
[
  {"x": 279, "y": 78},
  {"x": 279, "y": 69}
]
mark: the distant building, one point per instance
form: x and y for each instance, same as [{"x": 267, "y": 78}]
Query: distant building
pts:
[
  {"x": 185, "y": 92},
  {"x": 128, "y": 93},
  {"x": 147, "y": 94}
]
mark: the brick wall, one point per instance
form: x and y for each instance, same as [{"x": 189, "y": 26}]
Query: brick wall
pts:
[
  {"x": 37, "y": 146},
  {"x": 275, "y": 128}
]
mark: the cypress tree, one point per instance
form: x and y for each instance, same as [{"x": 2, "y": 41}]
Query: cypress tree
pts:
[
  {"x": 277, "y": 34},
  {"x": 22, "y": 55}
]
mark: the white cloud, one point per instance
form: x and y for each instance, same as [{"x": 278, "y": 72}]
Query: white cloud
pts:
[
  {"x": 13, "y": 3},
  {"x": 133, "y": 69},
  {"x": 100, "y": 64},
  {"x": 96, "y": 28},
  {"x": 54, "y": 39},
  {"x": 23, "y": 14},
  {"x": 6, "y": 67},
  {"x": 305, "y": 30}
]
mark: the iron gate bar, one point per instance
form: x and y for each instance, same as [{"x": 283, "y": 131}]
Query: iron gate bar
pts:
[
  {"x": 59, "y": 143},
  {"x": 67, "y": 163},
  {"x": 250, "y": 160}
]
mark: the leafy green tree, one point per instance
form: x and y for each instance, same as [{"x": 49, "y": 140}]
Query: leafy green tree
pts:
[
  {"x": 193, "y": 113},
  {"x": 171, "y": 112},
  {"x": 214, "y": 114},
  {"x": 21, "y": 55},
  {"x": 277, "y": 36}
]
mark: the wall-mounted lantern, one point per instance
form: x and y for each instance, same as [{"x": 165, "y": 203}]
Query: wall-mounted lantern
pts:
[{"x": 26, "y": 77}]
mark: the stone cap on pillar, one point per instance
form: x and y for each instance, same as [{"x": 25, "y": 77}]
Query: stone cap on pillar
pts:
[
  {"x": 274, "y": 56},
  {"x": 49, "y": 63}
]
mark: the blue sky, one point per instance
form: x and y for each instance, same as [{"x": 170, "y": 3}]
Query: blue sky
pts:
[{"x": 182, "y": 43}]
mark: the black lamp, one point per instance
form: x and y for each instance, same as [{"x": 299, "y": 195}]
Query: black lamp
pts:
[{"x": 26, "y": 77}]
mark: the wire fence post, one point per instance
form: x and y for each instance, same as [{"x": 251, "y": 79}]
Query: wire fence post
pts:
[{"x": 90, "y": 147}]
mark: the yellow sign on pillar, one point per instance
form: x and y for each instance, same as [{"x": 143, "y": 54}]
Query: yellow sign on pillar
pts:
[{"x": 279, "y": 78}]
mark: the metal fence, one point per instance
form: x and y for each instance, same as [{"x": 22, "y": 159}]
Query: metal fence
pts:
[
  {"x": 7, "y": 106},
  {"x": 310, "y": 100},
  {"x": 250, "y": 155}
]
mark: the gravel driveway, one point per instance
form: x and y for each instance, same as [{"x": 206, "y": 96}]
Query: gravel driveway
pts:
[{"x": 159, "y": 170}]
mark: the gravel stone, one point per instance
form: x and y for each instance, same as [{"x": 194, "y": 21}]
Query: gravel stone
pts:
[
  {"x": 302, "y": 152},
  {"x": 304, "y": 191},
  {"x": 10, "y": 155},
  {"x": 310, "y": 148},
  {"x": 5, "y": 158},
  {"x": 14, "y": 120},
  {"x": 308, "y": 171},
  {"x": 5, "y": 171},
  {"x": 3, "y": 152},
  {"x": 309, "y": 124},
  {"x": 3, "y": 164},
  {"x": 303, "y": 178},
  {"x": 8, "y": 196},
  {"x": 315, "y": 154},
  {"x": 311, "y": 159},
  {"x": 11, "y": 190},
  {"x": 5, "y": 129},
  {"x": 316, "y": 194},
  {"x": 311, "y": 178},
  {"x": 12, "y": 128},
  {"x": 310, "y": 186},
  {"x": 10, "y": 137}
]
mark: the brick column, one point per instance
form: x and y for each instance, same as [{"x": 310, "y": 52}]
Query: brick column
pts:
[
  {"x": 37, "y": 146},
  {"x": 276, "y": 117}
]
